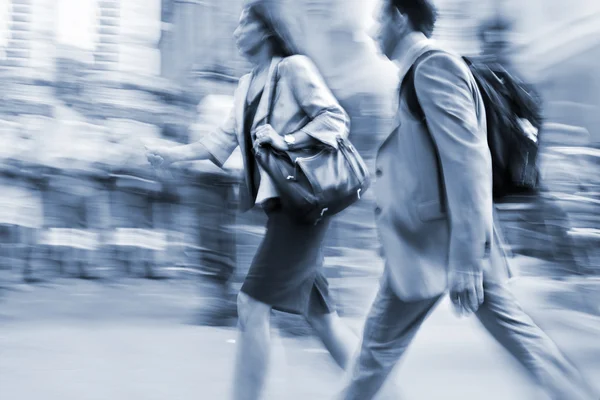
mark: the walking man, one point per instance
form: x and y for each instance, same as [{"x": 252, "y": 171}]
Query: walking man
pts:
[{"x": 434, "y": 217}]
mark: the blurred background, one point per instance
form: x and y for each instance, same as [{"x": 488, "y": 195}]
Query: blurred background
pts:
[{"x": 117, "y": 280}]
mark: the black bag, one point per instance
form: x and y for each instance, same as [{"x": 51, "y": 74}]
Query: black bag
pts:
[
  {"x": 316, "y": 182},
  {"x": 512, "y": 113}
]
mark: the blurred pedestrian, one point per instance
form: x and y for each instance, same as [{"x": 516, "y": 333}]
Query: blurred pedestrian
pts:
[
  {"x": 548, "y": 220},
  {"x": 434, "y": 215},
  {"x": 21, "y": 210},
  {"x": 286, "y": 273}
]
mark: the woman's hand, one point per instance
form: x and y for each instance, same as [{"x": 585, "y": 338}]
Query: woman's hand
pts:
[
  {"x": 265, "y": 134},
  {"x": 160, "y": 156}
]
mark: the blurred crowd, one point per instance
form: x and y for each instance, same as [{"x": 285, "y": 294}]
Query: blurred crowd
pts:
[
  {"x": 74, "y": 196},
  {"x": 77, "y": 197},
  {"x": 83, "y": 97}
]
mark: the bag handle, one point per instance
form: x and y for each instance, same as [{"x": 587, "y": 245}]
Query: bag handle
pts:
[
  {"x": 274, "y": 78},
  {"x": 408, "y": 84}
]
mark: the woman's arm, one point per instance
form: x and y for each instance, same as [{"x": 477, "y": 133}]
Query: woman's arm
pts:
[
  {"x": 300, "y": 140},
  {"x": 328, "y": 118},
  {"x": 190, "y": 152},
  {"x": 216, "y": 146}
]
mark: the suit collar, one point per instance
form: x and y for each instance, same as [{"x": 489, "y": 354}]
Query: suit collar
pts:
[{"x": 406, "y": 60}]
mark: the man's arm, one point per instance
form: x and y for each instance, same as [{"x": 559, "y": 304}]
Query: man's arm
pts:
[{"x": 446, "y": 96}]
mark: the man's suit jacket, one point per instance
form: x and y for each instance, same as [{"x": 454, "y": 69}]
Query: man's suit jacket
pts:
[
  {"x": 433, "y": 183},
  {"x": 303, "y": 102}
]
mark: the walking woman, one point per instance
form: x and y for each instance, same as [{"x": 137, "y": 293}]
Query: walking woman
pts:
[{"x": 286, "y": 271}]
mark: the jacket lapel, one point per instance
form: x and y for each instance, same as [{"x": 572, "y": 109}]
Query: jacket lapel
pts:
[
  {"x": 262, "y": 111},
  {"x": 240, "y": 108}
]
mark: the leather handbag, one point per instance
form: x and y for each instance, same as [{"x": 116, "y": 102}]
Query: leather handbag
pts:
[{"x": 315, "y": 182}]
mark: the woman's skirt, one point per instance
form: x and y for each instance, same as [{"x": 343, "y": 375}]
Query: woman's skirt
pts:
[{"x": 286, "y": 271}]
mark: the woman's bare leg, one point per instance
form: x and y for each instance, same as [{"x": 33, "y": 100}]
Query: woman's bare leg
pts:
[
  {"x": 253, "y": 348},
  {"x": 338, "y": 338}
]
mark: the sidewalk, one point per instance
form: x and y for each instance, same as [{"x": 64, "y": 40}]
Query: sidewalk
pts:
[
  {"x": 158, "y": 358},
  {"x": 80, "y": 340},
  {"x": 82, "y": 361}
]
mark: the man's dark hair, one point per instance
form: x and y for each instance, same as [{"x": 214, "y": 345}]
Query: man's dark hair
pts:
[{"x": 422, "y": 14}]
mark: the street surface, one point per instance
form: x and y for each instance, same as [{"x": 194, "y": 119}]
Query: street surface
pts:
[{"x": 81, "y": 340}]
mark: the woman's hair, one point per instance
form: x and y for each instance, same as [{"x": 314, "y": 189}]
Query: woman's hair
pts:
[{"x": 279, "y": 45}]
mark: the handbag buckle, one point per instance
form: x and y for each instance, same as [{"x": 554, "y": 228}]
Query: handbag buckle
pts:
[{"x": 323, "y": 211}]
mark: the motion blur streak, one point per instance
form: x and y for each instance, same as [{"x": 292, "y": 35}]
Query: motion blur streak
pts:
[{"x": 119, "y": 281}]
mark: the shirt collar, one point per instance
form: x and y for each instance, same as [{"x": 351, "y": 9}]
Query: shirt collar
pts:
[{"x": 406, "y": 59}]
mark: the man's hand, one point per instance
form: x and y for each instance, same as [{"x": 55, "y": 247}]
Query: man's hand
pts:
[
  {"x": 265, "y": 134},
  {"x": 160, "y": 156},
  {"x": 466, "y": 290}
]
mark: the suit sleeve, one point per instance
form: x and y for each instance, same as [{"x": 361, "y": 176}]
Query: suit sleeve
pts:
[
  {"x": 447, "y": 98},
  {"x": 328, "y": 118},
  {"x": 223, "y": 141}
]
